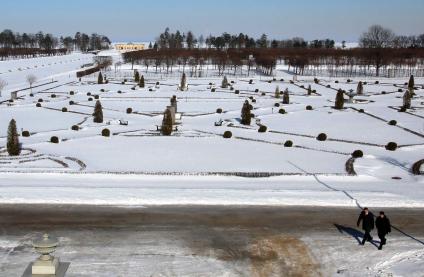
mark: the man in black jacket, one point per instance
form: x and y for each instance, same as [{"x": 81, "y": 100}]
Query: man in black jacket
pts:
[
  {"x": 367, "y": 219},
  {"x": 383, "y": 228}
]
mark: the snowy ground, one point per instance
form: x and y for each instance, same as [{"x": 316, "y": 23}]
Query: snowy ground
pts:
[{"x": 137, "y": 166}]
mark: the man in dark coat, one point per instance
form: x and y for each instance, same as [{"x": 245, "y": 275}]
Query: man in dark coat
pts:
[
  {"x": 383, "y": 228},
  {"x": 367, "y": 219}
]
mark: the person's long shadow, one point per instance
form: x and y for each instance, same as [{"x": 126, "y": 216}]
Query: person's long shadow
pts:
[{"x": 356, "y": 234}]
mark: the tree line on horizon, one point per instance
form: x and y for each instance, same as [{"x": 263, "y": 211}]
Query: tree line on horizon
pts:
[
  {"x": 376, "y": 37},
  {"x": 379, "y": 53},
  {"x": 14, "y": 44}
]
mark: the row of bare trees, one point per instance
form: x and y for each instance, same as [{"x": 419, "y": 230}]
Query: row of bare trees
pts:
[{"x": 303, "y": 61}]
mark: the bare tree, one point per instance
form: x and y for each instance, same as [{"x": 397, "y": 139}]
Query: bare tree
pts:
[
  {"x": 3, "y": 84},
  {"x": 377, "y": 37},
  {"x": 31, "y": 79}
]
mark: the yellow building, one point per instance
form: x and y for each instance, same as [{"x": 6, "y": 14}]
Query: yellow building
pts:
[{"x": 125, "y": 47}]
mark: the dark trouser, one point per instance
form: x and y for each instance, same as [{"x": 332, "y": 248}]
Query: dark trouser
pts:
[
  {"x": 382, "y": 238},
  {"x": 367, "y": 236}
]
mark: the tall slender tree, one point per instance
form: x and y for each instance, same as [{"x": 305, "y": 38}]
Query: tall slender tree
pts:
[
  {"x": 13, "y": 146},
  {"x": 224, "y": 83},
  {"x": 339, "y": 102},
  {"x": 411, "y": 83},
  {"x": 98, "y": 112},
  {"x": 246, "y": 115},
  {"x": 286, "y": 96},
  {"x": 360, "y": 88},
  {"x": 183, "y": 84},
  {"x": 141, "y": 83},
  {"x": 167, "y": 123},
  {"x": 136, "y": 76},
  {"x": 277, "y": 92},
  {"x": 100, "y": 78}
]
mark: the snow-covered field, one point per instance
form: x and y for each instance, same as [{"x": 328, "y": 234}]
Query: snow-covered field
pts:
[
  {"x": 137, "y": 166},
  {"x": 198, "y": 149}
]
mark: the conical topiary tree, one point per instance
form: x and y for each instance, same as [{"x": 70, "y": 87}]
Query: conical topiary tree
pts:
[
  {"x": 183, "y": 84},
  {"x": 246, "y": 116},
  {"x": 339, "y": 103},
  {"x": 286, "y": 97},
  {"x": 360, "y": 88},
  {"x": 100, "y": 78},
  {"x": 224, "y": 83},
  {"x": 174, "y": 102},
  {"x": 13, "y": 146},
  {"x": 277, "y": 92},
  {"x": 98, "y": 113},
  {"x": 141, "y": 83},
  {"x": 167, "y": 123},
  {"x": 411, "y": 82},
  {"x": 407, "y": 99},
  {"x": 136, "y": 76}
]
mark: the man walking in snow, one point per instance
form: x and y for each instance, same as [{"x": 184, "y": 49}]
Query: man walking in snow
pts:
[
  {"x": 367, "y": 219},
  {"x": 383, "y": 228}
]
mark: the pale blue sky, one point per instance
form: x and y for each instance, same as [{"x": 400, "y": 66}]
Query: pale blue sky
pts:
[{"x": 139, "y": 20}]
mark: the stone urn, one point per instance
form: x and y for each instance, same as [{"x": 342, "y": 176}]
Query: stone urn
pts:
[{"x": 46, "y": 263}]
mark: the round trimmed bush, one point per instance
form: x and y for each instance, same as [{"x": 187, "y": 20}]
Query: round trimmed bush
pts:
[
  {"x": 322, "y": 137},
  {"x": 90, "y": 99},
  {"x": 157, "y": 83},
  {"x": 392, "y": 122},
  {"x": 250, "y": 81},
  {"x": 377, "y": 82},
  {"x": 262, "y": 129},
  {"x": 237, "y": 91},
  {"x": 383, "y": 92},
  {"x": 402, "y": 110},
  {"x": 253, "y": 100},
  {"x": 213, "y": 89},
  {"x": 391, "y": 146},
  {"x": 40, "y": 100},
  {"x": 31, "y": 95},
  {"x": 102, "y": 90},
  {"x": 282, "y": 111},
  {"x": 96, "y": 97},
  {"x": 263, "y": 93},
  {"x": 210, "y": 84},
  {"x": 123, "y": 83},
  {"x": 64, "y": 110},
  {"x": 71, "y": 102},
  {"x": 129, "y": 110},
  {"x": 361, "y": 110},
  {"x": 309, "y": 108},
  {"x": 251, "y": 97},
  {"x": 71, "y": 92},
  {"x": 231, "y": 88},
  {"x": 219, "y": 110},
  {"x": 119, "y": 91},
  {"x": 133, "y": 88},
  {"x": 25, "y": 133},
  {"x": 336, "y": 81},
  {"x": 277, "y": 104},
  {"x": 53, "y": 95},
  {"x": 150, "y": 89},
  {"x": 75, "y": 128},
  {"x": 54, "y": 139},
  {"x": 106, "y": 132},
  {"x": 357, "y": 154},
  {"x": 257, "y": 90},
  {"x": 400, "y": 90},
  {"x": 38, "y": 105},
  {"x": 288, "y": 143},
  {"x": 227, "y": 134},
  {"x": 88, "y": 93},
  {"x": 328, "y": 86}
]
